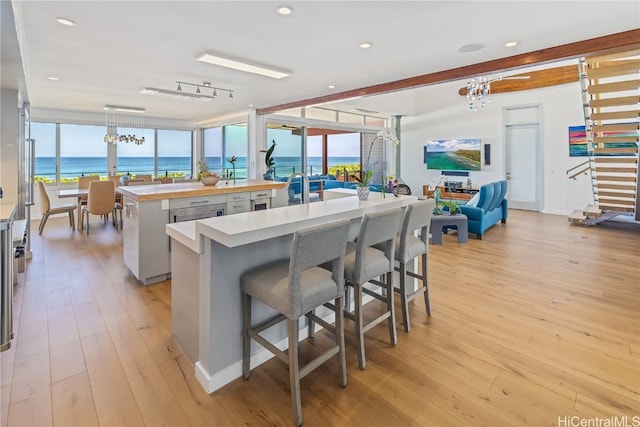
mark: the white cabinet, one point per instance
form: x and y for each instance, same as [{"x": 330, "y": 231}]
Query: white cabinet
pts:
[
  {"x": 145, "y": 245},
  {"x": 238, "y": 203}
]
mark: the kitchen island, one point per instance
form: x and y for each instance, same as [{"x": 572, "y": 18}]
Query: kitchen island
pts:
[
  {"x": 149, "y": 208},
  {"x": 208, "y": 258}
]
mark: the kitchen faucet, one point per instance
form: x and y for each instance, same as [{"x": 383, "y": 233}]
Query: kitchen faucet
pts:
[{"x": 304, "y": 186}]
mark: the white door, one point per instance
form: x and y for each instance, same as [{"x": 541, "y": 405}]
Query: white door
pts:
[{"x": 523, "y": 157}]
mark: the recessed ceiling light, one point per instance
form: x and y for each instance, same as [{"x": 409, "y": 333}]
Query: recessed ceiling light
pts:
[
  {"x": 365, "y": 45},
  {"x": 471, "y": 47},
  {"x": 54, "y": 78},
  {"x": 284, "y": 10},
  {"x": 332, "y": 86},
  {"x": 511, "y": 44},
  {"x": 250, "y": 105},
  {"x": 65, "y": 21},
  {"x": 263, "y": 70}
]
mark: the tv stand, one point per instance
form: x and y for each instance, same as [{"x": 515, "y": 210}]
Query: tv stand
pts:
[{"x": 451, "y": 193}]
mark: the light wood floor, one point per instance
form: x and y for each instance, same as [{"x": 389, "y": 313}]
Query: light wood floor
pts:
[{"x": 539, "y": 320}]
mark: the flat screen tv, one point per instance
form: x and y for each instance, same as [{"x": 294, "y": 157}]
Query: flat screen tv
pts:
[{"x": 453, "y": 154}]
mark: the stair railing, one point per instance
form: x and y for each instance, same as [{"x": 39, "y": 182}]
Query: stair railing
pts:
[{"x": 584, "y": 170}]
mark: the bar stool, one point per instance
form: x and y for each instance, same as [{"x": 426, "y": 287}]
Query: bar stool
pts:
[
  {"x": 294, "y": 287},
  {"x": 366, "y": 263},
  {"x": 417, "y": 217}
]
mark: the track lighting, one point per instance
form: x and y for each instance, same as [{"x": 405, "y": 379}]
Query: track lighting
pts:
[{"x": 201, "y": 92}]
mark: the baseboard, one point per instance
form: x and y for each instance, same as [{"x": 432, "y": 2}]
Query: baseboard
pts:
[
  {"x": 230, "y": 373},
  {"x": 211, "y": 383}
]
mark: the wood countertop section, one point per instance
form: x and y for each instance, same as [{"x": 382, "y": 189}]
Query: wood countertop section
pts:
[
  {"x": 143, "y": 193},
  {"x": 7, "y": 212}
]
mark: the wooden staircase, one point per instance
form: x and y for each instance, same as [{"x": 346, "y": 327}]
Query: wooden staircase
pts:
[{"x": 611, "y": 99}]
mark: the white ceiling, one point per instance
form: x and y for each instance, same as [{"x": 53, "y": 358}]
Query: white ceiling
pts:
[{"x": 119, "y": 47}]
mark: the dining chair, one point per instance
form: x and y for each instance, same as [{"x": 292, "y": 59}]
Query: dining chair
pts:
[
  {"x": 47, "y": 210},
  {"x": 118, "y": 204},
  {"x": 143, "y": 177},
  {"x": 101, "y": 200},
  {"x": 83, "y": 182},
  {"x": 165, "y": 180},
  {"x": 132, "y": 182},
  {"x": 294, "y": 287}
]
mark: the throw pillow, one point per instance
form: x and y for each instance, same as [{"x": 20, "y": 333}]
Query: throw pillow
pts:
[{"x": 474, "y": 200}]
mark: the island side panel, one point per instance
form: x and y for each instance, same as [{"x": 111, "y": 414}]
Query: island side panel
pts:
[
  {"x": 184, "y": 298},
  {"x": 145, "y": 243},
  {"x": 220, "y": 352}
]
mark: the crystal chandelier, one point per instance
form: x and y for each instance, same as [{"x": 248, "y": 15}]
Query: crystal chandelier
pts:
[
  {"x": 124, "y": 124},
  {"x": 479, "y": 92}
]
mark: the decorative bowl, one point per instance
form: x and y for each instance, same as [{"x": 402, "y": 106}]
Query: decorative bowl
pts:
[{"x": 209, "y": 180}]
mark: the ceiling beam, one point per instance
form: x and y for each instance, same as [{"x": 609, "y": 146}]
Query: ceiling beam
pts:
[
  {"x": 606, "y": 44},
  {"x": 535, "y": 80}
]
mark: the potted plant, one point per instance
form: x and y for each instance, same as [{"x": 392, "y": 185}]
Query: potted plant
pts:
[
  {"x": 269, "y": 161},
  {"x": 363, "y": 183},
  {"x": 451, "y": 206}
]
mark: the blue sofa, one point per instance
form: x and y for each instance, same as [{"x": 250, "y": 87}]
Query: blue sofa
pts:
[
  {"x": 329, "y": 182},
  {"x": 491, "y": 208}
]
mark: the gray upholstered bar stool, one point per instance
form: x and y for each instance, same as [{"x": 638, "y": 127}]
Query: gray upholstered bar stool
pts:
[
  {"x": 417, "y": 216},
  {"x": 294, "y": 287},
  {"x": 365, "y": 263}
]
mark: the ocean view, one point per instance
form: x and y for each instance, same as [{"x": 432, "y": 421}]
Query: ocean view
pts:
[{"x": 71, "y": 167}]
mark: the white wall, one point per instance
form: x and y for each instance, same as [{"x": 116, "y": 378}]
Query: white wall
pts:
[{"x": 442, "y": 114}]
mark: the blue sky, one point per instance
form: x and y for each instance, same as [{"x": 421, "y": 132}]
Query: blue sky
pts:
[{"x": 436, "y": 145}]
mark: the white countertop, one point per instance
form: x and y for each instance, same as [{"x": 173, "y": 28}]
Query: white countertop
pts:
[
  {"x": 185, "y": 233},
  {"x": 244, "y": 228}
]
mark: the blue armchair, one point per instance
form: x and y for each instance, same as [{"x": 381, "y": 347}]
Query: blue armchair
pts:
[{"x": 491, "y": 208}]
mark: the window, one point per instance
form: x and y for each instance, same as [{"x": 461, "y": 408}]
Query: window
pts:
[
  {"x": 314, "y": 155},
  {"x": 343, "y": 155},
  {"x": 174, "y": 153},
  {"x": 288, "y": 152},
  {"x": 45, "y": 166},
  {"x": 82, "y": 151},
  {"x": 137, "y": 159},
  {"x": 212, "y": 144},
  {"x": 235, "y": 144},
  {"x": 222, "y": 143}
]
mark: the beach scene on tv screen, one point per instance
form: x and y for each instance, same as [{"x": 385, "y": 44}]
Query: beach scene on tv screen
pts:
[{"x": 453, "y": 154}]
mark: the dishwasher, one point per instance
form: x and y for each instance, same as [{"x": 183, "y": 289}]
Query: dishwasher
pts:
[{"x": 196, "y": 211}]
